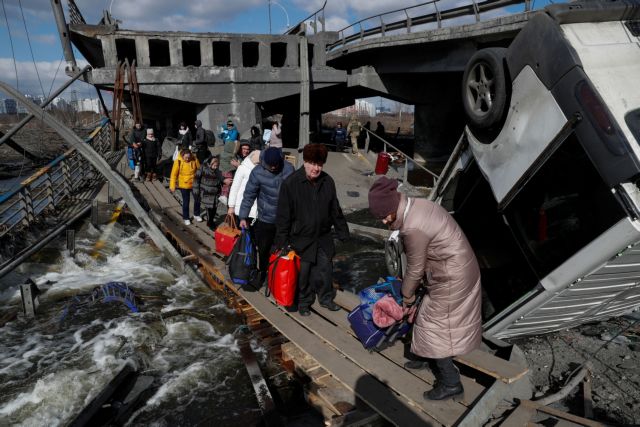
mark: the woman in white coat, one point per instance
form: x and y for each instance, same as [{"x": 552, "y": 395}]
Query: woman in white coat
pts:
[{"x": 240, "y": 180}]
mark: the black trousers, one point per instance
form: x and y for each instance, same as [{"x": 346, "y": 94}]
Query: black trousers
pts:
[
  {"x": 443, "y": 369},
  {"x": 315, "y": 277},
  {"x": 265, "y": 234}
]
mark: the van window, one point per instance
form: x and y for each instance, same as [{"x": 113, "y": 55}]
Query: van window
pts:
[{"x": 562, "y": 208}]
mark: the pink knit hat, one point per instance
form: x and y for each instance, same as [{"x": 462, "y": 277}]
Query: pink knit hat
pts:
[{"x": 384, "y": 197}]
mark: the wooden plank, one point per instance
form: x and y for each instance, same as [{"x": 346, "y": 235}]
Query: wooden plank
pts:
[
  {"x": 482, "y": 361},
  {"x": 402, "y": 382},
  {"x": 501, "y": 369},
  {"x": 338, "y": 397},
  {"x": 560, "y": 414},
  {"x": 520, "y": 417},
  {"x": 369, "y": 389},
  {"x": 472, "y": 390}
]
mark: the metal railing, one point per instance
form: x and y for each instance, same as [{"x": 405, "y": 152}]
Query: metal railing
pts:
[
  {"x": 314, "y": 18},
  {"x": 53, "y": 184},
  {"x": 356, "y": 32},
  {"x": 406, "y": 157}
]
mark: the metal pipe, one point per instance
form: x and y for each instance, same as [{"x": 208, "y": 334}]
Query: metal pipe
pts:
[
  {"x": 47, "y": 101},
  {"x": 63, "y": 30}
]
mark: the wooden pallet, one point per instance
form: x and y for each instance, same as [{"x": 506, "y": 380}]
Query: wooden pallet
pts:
[
  {"x": 527, "y": 410},
  {"x": 338, "y": 404}
]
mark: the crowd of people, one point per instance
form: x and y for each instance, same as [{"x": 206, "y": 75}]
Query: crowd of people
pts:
[{"x": 283, "y": 207}]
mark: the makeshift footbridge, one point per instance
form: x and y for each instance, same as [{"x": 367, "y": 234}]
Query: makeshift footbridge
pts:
[{"x": 347, "y": 383}]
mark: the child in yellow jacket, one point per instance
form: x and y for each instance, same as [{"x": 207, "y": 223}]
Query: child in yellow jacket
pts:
[{"x": 183, "y": 173}]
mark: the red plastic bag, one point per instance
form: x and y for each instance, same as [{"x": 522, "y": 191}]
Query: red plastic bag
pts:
[
  {"x": 226, "y": 235},
  {"x": 283, "y": 276}
]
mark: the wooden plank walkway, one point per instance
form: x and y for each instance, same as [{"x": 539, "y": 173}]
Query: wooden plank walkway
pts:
[{"x": 378, "y": 379}]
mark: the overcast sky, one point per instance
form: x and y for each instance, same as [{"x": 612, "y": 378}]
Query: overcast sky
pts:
[{"x": 31, "y": 27}]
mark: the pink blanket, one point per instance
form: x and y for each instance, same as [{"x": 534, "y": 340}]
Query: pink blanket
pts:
[{"x": 386, "y": 312}]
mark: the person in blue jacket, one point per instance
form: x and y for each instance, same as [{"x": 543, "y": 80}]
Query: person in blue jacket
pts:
[
  {"x": 230, "y": 134},
  {"x": 264, "y": 184}
]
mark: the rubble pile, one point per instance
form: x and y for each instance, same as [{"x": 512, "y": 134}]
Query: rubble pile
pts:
[{"x": 613, "y": 346}]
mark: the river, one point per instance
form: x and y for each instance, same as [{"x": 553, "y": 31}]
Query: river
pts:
[{"x": 51, "y": 367}]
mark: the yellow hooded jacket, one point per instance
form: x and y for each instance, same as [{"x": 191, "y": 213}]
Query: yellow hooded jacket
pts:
[{"x": 183, "y": 172}]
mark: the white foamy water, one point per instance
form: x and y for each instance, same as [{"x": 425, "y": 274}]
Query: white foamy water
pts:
[{"x": 184, "y": 337}]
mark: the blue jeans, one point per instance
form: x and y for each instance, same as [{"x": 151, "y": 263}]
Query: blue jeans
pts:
[{"x": 186, "y": 199}]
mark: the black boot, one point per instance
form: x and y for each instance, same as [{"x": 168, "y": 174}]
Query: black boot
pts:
[{"x": 442, "y": 392}]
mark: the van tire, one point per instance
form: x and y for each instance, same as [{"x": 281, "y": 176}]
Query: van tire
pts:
[
  {"x": 484, "y": 90},
  {"x": 393, "y": 258}
]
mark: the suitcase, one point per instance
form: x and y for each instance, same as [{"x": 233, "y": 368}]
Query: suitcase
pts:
[{"x": 372, "y": 337}]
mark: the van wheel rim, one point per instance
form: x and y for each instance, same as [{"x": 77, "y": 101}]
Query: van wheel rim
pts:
[{"x": 480, "y": 89}]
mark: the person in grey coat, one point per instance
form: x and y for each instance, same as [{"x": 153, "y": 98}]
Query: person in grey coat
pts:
[{"x": 448, "y": 322}]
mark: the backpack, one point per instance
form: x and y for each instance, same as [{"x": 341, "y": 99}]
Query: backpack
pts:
[
  {"x": 209, "y": 138},
  {"x": 242, "y": 261}
]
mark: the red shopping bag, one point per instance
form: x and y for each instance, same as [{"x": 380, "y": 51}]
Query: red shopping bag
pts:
[
  {"x": 283, "y": 276},
  {"x": 226, "y": 235}
]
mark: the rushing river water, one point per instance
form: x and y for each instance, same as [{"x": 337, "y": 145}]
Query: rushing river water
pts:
[{"x": 53, "y": 366}]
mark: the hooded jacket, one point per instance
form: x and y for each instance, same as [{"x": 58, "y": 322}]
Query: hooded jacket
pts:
[
  {"x": 448, "y": 322},
  {"x": 228, "y": 154},
  {"x": 183, "y": 173},
  {"x": 265, "y": 186}
]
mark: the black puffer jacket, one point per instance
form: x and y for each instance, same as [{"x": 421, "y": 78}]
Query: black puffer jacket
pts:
[{"x": 207, "y": 185}]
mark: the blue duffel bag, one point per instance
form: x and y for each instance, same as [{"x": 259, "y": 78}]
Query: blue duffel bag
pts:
[
  {"x": 370, "y": 295},
  {"x": 372, "y": 337}
]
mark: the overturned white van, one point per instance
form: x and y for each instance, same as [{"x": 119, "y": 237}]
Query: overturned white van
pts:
[{"x": 545, "y": 180}]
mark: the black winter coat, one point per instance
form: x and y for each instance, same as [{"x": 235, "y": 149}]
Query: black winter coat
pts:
[
  {"x": 151, "y": 149},
  {"x": 200, "y": 143},
  {"x": 306, "y": 212},
  {"x": 207, "y": 185}
]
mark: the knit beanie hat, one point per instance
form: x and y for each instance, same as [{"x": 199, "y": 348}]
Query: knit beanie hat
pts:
[
  {"x": 384, "y": 197},
  {"x": 272, "y": 156}
]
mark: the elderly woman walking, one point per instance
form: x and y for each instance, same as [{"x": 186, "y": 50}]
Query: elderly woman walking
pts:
[
  {"x": 448, "y": 322},
  {"x": 183, "y": 174}
]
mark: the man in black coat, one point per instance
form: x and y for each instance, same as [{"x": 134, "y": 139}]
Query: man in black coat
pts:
[{"x": 307, "y": 209}]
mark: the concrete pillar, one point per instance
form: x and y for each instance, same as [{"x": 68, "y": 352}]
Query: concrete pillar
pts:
[
  {"x": 175, "y": 52},
  {"x": 264, "y": 52},
  {"x": 142, "y": 51},
  {"x": 438, "y": 126},
  {"x": 243, "y": 114},
  {"x": 206, "y": 52},
  {"x": 109, "y": 51},
  {"x": 236, "y": 52},
  {"x": 292, "y": 52}
]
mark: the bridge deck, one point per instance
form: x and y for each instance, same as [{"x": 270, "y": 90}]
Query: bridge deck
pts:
[{"x": 377, "y": 378}]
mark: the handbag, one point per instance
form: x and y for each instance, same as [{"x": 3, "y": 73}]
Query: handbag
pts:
[
  {"x": 226, "y": 235},
  {"x": 242, "y": 261},
  {"x": 284, "y": 267}
]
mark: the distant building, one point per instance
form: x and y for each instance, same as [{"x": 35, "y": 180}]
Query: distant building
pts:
[
  {"x": 360, "y": 108},
  {"x": 89, "y": 104},
  {"x": 10, "y": 106}
]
